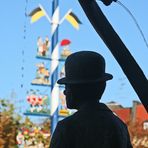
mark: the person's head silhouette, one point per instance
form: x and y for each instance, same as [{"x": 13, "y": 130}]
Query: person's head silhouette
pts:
[{"x": 85, "y": 78}]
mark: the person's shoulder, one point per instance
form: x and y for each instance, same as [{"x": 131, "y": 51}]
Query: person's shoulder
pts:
[
  {"x": 116, "y": 121},
  {"x": 69, "y": 119},
  {"x": 110, "y": 115}
]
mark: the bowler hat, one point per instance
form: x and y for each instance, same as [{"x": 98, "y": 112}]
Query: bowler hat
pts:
[{"x": 84, "y": 67}]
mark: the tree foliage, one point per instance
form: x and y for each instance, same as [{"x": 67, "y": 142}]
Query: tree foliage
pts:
[{"x": 9, "y": 123}]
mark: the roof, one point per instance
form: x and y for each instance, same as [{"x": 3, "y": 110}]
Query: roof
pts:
[
  {"x": 114, "y": 105},
  {"x": 124, "y": 114},
  {"x": 141, "y": 114}
]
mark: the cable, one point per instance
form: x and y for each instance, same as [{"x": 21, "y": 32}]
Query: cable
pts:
[
  {"x": 108, "y": 2},
  {"x": 24, "y": 38},
  {"x": 135, "y": 21}
]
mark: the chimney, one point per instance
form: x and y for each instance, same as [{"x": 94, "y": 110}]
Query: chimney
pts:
[{"x": 133, "y": 117}]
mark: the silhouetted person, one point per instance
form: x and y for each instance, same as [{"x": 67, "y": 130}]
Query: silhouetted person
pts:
[{"x": 94, "y": 125}]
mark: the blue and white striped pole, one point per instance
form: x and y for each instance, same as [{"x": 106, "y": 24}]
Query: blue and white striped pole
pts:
[{"x": 54, "y": 64}]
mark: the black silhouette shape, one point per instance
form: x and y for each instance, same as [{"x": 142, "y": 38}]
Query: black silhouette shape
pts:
[{"x": 94, "y": 125}]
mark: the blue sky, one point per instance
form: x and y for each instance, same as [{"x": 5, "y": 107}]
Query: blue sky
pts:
[{"x": 12, "y": 43}]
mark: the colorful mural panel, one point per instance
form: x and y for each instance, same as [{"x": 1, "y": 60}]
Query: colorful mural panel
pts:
[
  {"x": 66, "y": 51},
  {"x": 42, "y": 75},
  {"x": 63, "y": 110},
  {"x": 38, "y": 103},
  {"x": 43, "y": 47}
]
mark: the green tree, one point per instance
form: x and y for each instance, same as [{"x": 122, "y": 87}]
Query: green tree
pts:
[{"x": 9, "y": 124}]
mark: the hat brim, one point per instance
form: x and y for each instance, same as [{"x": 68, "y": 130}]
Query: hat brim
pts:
[{"x": 105, "y": 77}]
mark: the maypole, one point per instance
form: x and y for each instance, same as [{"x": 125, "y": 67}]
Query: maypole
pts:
[
  {"x": 35, "y": 15},
  {"x": 54, "y": 64}
]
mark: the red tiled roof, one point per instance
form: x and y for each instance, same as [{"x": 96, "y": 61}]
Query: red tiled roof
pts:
[
  {"x": 124, "y": 114},
  {"x": 141, "y": 114}
]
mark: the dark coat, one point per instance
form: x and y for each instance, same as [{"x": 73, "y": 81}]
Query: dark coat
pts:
[{"x": 93, "y": 126}]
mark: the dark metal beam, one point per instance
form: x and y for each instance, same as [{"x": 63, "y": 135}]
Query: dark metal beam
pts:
[{"x": 126, "y": 61}]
